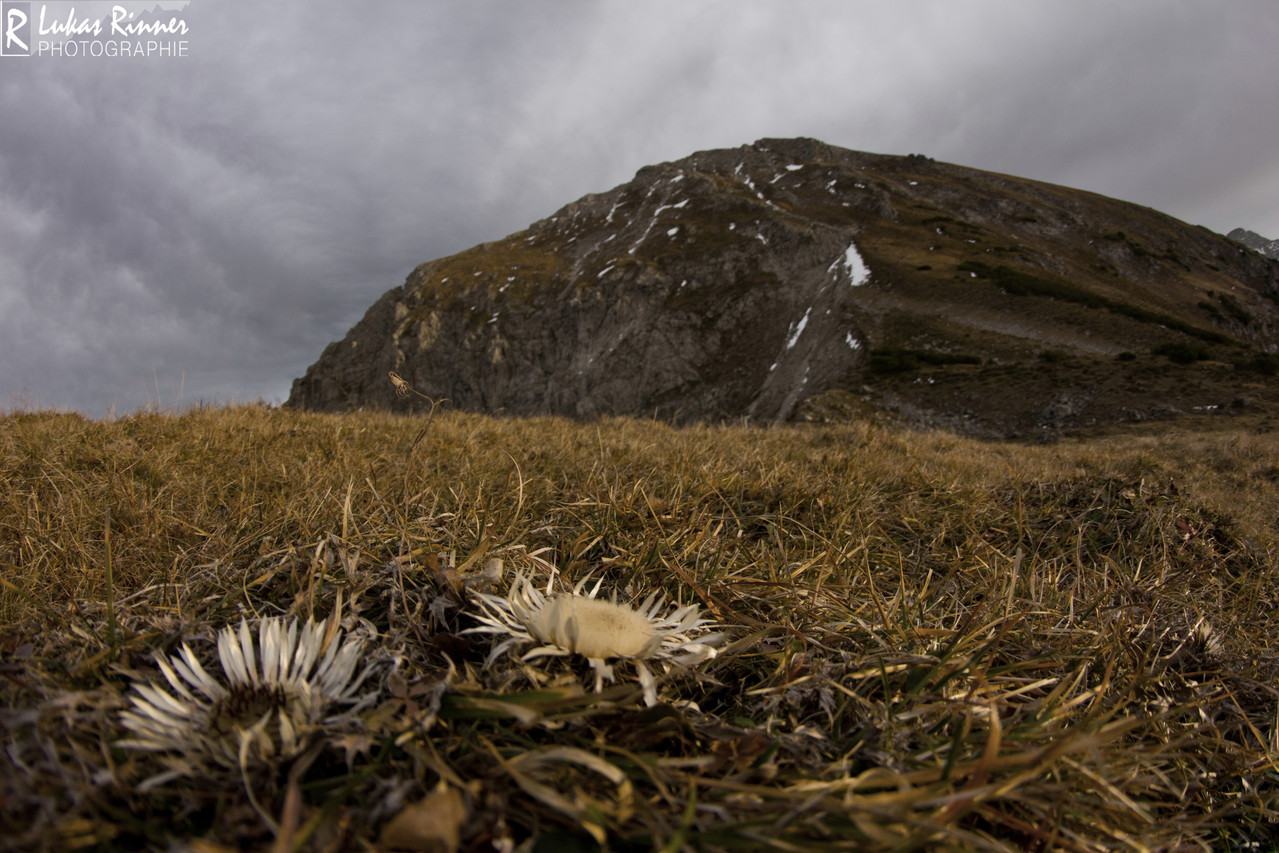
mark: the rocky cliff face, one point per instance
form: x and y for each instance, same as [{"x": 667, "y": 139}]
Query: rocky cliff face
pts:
[
  {"x": 1254, "y": 241},
  {"x": 757, "y": 282}
]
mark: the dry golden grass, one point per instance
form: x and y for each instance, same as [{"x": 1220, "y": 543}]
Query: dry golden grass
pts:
[{"x": 935, "y": 643}]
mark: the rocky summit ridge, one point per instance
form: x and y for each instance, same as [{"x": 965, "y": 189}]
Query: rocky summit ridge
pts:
[
  {"x": 1254, "y": 241},
  {"x": 792, "y": 279}
]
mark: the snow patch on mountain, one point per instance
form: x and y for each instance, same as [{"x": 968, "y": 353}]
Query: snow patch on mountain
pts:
[
  {"x": 856, "y": 269},
  {"x": 798, "y": 329}
]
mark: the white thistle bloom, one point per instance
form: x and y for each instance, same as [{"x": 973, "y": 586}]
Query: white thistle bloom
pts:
[
  {"x": 569, "y": 623},
  {"x": 274, "y": 697}
]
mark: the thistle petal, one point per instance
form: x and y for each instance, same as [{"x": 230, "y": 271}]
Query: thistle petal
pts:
[
  {"x": 329, "y": 655},
  {"x": 174, "y": 681},
  {"x": 232, "y": 657},
  {"x": 288, "y": 735},
  {"x": 150, "y": 719},
  {"x": 333, "y": 678},
  {"x": 647, "y": 682},
  {"x": 163, "y": 701},
  {"x": 546, "y": 651},
  {"x": 246, "y": 644},
  {"x": 650, "y": 605},
  {"x": 500, "y": 649},
  {"x": 190, "y": 669},
  {"x": 309, "y": 648},
  {"x": 269, "y": 639},
  {"x": 286, "y": 653}
]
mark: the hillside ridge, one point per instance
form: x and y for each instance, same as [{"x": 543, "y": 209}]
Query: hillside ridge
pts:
[{"x": 791, "y": 279}]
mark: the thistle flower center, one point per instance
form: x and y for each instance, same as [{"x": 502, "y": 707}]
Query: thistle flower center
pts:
[
  {"x": 245, "y": 706},
  {"x": 593, "y": 628}
]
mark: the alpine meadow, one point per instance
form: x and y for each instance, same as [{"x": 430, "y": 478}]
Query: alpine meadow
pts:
[{"x": 925, "y": 641}]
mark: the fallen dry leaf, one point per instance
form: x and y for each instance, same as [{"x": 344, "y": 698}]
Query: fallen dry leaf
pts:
[{"x": 431, "y": 825}]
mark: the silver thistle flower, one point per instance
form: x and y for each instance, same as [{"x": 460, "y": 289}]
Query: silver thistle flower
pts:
[
  {"x": 568, "y": 623},
  {"x": 274, "y": 698}
]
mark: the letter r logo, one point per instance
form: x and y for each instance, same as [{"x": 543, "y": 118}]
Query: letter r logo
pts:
[{"x": 15, "y": 38}]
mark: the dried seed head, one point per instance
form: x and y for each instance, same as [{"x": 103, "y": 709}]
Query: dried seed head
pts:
[
  {"x": 273, "y": 697},
  {"x": 574, "y": 623},
  {"x": 593, "y": 628}
]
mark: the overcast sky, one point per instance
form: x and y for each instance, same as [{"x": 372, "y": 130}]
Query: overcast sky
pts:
[{"x": 196, "y": 228}]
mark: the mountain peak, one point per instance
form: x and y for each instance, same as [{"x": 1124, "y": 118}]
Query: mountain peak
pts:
[
  {"x": 1254, "y": 241},
  {"x": 791, "y": 278}
]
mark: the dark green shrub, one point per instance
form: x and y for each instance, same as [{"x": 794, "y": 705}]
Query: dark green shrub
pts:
[
  {"x": 899, "y": 360},
  {"x": 1235, "y": 310},
  {"x": 1214, "y": 311},
  {"x": 893, "y": 360},
  {"x": 1183, "y": 352},
  {"x": 1264, "y": 363}
]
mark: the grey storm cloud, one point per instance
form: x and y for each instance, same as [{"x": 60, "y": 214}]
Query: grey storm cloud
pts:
[{"x": 197, "y": 228}]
